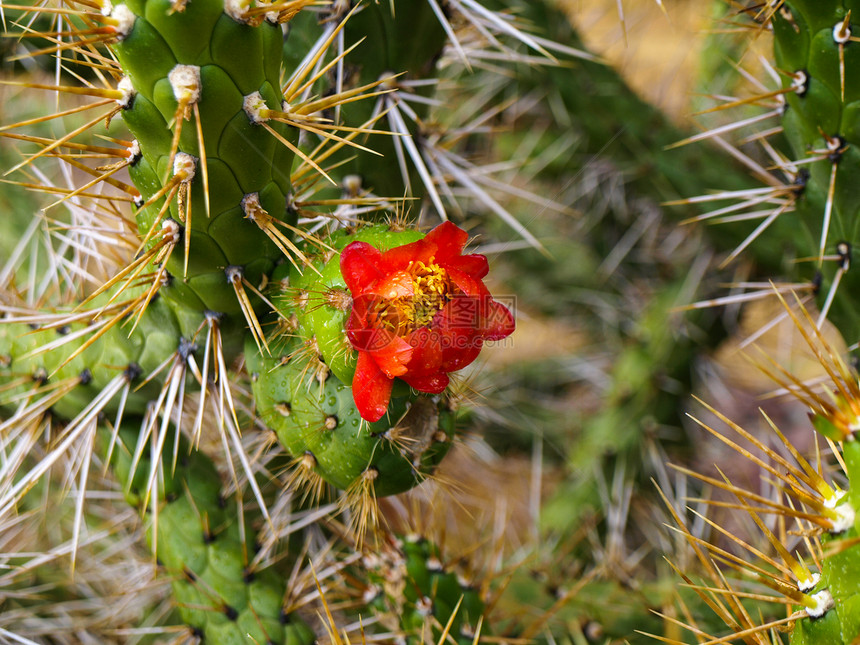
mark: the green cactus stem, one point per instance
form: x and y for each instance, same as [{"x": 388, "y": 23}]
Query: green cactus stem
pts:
[
  {"x": 221, "y": 593},
  {"x": 419, "y": 597}
]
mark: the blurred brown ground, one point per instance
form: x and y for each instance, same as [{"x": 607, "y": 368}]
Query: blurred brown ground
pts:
[{"x": 657, "y": 51}]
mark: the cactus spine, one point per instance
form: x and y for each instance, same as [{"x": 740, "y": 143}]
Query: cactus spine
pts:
[
  {"x": 223, "y": 596},
  {"x": 813, "y": 189}
]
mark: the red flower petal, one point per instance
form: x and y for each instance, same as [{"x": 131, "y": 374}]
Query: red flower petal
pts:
[
  {"x": 400, "y": 257},
  {"x": 498, "y": 321},
  {"x": 360, "y": 265},
  {"x": 371, "y": 388},
  {"x": 460, "y": 314},
  {"x": 430, "y": 383},
  {"x": 450, "y": 240},
  {"x": 358, "y": 314},
  {"x": 394, "y": 357},
  {"x": 426, "y": 354},
  {"x": 396, "y": 285},
  {"x": 458, "y": 324},
  {"x": 370, "y": 339},
  {"x": 474, "y": 265},
  {"x": 389, "y": 351},
  {"x": 456, "y": 358},
  {"x": 494, "y": 319},
  {"x": 467, "y": 284}
]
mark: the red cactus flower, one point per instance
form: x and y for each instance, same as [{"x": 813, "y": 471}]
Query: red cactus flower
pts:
[{"x": 419, "y": 311}]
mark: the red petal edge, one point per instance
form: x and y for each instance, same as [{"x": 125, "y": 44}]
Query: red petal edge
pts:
[
  {"x": 499, "y": 321},
  {"x": 429, "y": 383},
  {"x": 371, "y": 389},
  {"x": 399, "y": 258},
  {"x": 360, "y": 266},
  {"x": 474, "y": 265},
  {"x": 450, "y": 240}
]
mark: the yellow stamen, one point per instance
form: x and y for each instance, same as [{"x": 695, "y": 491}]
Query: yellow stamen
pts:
[{"x": 432, "y": 289}]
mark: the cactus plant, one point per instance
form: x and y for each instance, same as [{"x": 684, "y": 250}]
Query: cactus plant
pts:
[
  {"x": 206, "y": 322},
  {"x": 811, "y": 574},
  {"x": 227, "y": 151},
  {"x": 811, "y": 189},
  {"x": 407, "y": 579}
]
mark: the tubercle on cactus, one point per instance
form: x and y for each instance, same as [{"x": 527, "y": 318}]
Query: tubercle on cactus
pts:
[{"x": 420, "y": 596}]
